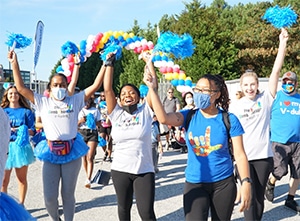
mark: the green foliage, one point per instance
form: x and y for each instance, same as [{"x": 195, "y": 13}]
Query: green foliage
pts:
[{"x": 228, "y": 40}]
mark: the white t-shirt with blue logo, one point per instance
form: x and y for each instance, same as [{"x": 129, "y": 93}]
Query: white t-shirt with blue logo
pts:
[
  {"x": 132, "y": 137},
  {"x": 254, "y": 116}
]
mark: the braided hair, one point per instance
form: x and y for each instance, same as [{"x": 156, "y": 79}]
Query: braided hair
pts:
[{"x": 223, "y": 101}]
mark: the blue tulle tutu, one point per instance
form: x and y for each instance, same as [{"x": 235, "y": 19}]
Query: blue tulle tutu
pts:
[
  {"x": 19, "y": 156},
  {"x": 43, "y": 152},
  {"x": 10, "y": 209}
]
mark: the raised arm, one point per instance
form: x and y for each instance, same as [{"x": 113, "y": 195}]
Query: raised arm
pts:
[
  {"x": 174, "y": 119},
  {"x": 89, "y": 91},
  {"x": 110, "y": 96},
  {"x": 74, "y": 79},
  {"x": 26, "y": 92},
  {"x": 273, "y": 81}
]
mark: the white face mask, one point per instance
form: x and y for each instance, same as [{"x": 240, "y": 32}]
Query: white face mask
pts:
[
  {"x": 189, "y": 100},
  {"x": 59, "y": 93}
]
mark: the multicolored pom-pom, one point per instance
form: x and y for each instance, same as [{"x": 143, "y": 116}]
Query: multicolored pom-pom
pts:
[{"x": 280, "y": 17}]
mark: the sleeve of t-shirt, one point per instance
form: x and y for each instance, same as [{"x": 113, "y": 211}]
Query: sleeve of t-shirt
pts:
[
  {"x": 184, "y": 113},
  {"x": 30, "y": 120},
  {"x": 236, "y": 128},
  {"x": 98, "y": 117}
]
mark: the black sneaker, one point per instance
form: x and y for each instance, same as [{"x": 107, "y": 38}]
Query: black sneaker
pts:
[
  {"x": 109, "y": 159},
  {"x": 269, "y": 193},
  {"x": 292, "y": 204}
]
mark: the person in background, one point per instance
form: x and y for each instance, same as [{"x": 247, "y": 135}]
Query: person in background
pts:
[
  {"x": 209, "y": 171},
  {"x": 5, "y": 134},
  {"x": 105, "y": 128},
  {"x": 156, "y": 143},
  {"x": 88, "y": 120},
  {"x": 239, "y": 95},
  {"x": 1, "y": 73},
  {"x": 132, "y": 168},
  {"x": 188, "y": 101},
  {"x": 285, "y": 137},
  {"x": 63, "y": 148},
  {"x": 20, "y": 153},
  {"x": 170, "y": 104},
  {"x": 10, "y": 209},
  {"x": 254, "y": 112}
]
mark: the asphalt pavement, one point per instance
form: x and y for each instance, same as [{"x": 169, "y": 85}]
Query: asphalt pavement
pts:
[{"x": 99, "y": 202}]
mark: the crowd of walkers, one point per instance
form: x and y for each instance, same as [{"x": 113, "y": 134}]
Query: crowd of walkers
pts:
[{"x": 262, "y": 139}]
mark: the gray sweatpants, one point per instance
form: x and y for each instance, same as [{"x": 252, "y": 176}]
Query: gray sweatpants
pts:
[{"x": 52, "y": 175}]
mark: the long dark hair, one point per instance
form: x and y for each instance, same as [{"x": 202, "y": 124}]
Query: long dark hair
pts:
[{"x": 223, "y": 101}]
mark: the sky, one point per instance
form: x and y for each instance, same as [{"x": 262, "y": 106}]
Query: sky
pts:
[{"x": 75, "y": 20}]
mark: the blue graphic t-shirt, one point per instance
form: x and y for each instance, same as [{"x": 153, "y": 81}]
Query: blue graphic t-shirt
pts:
[
  {"x": 285, "y": 118},
  {"x": 209, "y": 159},
  {"x": 20, "y": 116}
]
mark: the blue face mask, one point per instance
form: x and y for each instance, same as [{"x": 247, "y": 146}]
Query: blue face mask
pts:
[
  {"x": 288, "y": 88},
  {"x": 202, "y": 101}
]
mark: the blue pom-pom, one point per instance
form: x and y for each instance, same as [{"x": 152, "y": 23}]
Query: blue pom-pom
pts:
[
  {"x": 112, "y": 46},
  {"x": 21, "y": 40},
  {"x": 22, "y": 136},
  {"x": 179, "y": 46},
  {"x": 101, "y": 141},
  {"x": 69, "y": 48},
  {"x": 102, "y": 104},
  {"x": 90, "y": 121},
  {"x": 280, "y": 17},
  {"x": 143, "y": 90}
]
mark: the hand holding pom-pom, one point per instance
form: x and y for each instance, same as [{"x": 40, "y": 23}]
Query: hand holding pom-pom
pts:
[{"x": 110, "y": 60}]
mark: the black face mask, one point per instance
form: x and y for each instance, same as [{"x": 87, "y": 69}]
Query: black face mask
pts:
[{"x": 130, "y": 109}]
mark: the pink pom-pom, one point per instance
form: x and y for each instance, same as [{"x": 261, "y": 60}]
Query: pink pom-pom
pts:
[{"x": 169, "y": 70}]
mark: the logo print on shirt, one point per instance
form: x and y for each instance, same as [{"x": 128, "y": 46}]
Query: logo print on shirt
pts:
[
  {"x": 129, "y": 122},
  {"x": 250, "y": 113},
  {"x": 201, "y": 145},
  {"x": 287, "y": 103}
]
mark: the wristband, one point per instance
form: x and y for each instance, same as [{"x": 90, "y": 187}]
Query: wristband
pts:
[{"x": 246, "y": 179}]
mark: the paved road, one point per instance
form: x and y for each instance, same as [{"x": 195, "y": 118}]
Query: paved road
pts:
[{"x": 99, "y": 203}]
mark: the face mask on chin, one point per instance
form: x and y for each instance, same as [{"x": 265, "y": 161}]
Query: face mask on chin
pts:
[
  {"x": 130, "y": 109},
  {"x": 202, "y": 101},
  {"x": 59, "y": 93},
  {"x": 288, "y": 88}
]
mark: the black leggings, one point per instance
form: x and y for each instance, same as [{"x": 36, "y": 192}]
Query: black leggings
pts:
[
  {"x": 259, "y": 173},
  {"x": 143, "y": 187},
  {"x": 218, "y": 196}
]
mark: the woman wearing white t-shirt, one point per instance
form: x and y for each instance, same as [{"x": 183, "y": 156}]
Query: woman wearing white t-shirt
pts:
[
  {"x": 132, "y": 169},
  {"x": 254, "y": 111},
  {"x": 63, "y": 148}
]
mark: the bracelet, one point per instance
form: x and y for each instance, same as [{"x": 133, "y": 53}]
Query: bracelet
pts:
[{"x": 246, "y": 179}]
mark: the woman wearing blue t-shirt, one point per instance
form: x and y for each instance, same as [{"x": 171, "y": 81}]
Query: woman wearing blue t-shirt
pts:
[
  {"x": 20, "y": 153},
  {"x": 210, "y": 184}
]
